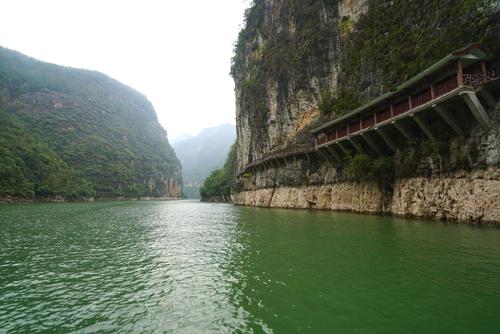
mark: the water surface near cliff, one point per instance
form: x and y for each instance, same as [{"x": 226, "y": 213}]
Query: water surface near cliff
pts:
[{"x": 188, "y": 267}]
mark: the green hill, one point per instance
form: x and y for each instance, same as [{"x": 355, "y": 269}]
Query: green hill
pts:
[
  {"x": 218, "y": 185},
  {"x": 76, "y": 133}
]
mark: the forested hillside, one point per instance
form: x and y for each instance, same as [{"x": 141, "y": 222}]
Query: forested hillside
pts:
[
  {"x": 76, "y": 133},
  {"x": 218, "y": 185}
]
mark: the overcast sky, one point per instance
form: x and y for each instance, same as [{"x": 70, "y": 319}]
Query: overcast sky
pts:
[{"x": 178, "y": 53}]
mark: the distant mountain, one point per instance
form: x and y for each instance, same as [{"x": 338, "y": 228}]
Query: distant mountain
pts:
[
  {"x": 71, "y": 133},
  {"x": 179, "y": 138},
  {"x": 203, "y": 154}
]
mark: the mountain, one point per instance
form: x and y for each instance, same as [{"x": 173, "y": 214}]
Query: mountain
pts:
[
  {"x": 346, "y": 104},
  {"x": 179, "y": 138},
  {"x": 72, "y": 133},
  {"x": 203, "y": 154}
]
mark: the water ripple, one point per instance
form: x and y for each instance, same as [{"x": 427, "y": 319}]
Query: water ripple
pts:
[{"x": 188, "y": 267}]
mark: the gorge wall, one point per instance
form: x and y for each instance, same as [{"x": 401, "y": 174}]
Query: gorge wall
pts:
[
  {"x": 299, "y": 64},
  {"x": 67, "y": 133}
]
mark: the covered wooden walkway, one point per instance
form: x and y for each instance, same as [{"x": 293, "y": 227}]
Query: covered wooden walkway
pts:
[{"x": 451, "y": 95}]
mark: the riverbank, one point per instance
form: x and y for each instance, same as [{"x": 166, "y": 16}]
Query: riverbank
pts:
[
  {"x": 467, "y": 197},
  {"x": 13, "y": 199}
]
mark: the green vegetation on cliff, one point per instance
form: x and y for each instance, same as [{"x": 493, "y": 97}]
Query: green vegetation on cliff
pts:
[
  {"x": 77, "y": 133},
  {"x": 391, "y": 42},
  {"x": 394, "y": 40},
  {"x": 29, "y": 168},
  {"x": 265, "y": 51},
  {"x": 218, "y": 185}
]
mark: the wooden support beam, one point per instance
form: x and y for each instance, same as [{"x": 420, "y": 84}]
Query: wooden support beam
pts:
[
  {"x": 404, "y": 130},
  {"x": 424, "y": 126},
  {"x": 449, "y": 119},
  {"x": 477, "y": 109},
  {"x": 372, "y": 143},
  {"x": 490, "y": 99},
  {"x": 388, "y": 140},
  {"x": 459, "y": 70},
  {"x": 324, "y": 156},
  {"x": 333, "y": 153},
  {"x": 356, "y": 146},
  {"x": 346, "y": 151}
]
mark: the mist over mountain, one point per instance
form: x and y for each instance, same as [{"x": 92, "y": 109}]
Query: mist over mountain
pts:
[
  {"x": 202, "y": 154},
  {"x": 179, "y": 138}
]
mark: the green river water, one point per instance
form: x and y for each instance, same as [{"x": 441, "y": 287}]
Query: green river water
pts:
[{"x": 188, "y": 267}]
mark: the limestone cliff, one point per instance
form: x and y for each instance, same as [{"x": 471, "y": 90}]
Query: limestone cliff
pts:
[{"x": 299, "y": 64}]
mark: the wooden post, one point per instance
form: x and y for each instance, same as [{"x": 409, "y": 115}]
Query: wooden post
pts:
[
  {"x": 404, "y": 130},
  {"x": 433, "y": 93},
  {"x": 424, "y": 126},
  {"x": 387, "y": 139},
  {"x": 477, "y": 109},
  {"x": 332, "y": 151},
  {"x": 449, "y": 118},
  {"x": 392, "y": 110},
  {"x": 460, "y": 74},
  {"x": 410, "y": 104},
  {"x": 372, "y": 143}
]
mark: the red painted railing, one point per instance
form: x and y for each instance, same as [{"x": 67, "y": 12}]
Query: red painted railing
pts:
[
  {"x": 342, "y": 132},
  {"x": 369, "y": 121},
  {"x": 478, "y": 79},
  {"x": 421, "y": 98},
  {"x": 354, "y": 127},
  {"x": 383, "y": 115},
  {"x": 401, "y": 108},
  {"x": 332, "y": 135},
  {"x": 278, "y": 155},
  {"x": 322, "y": 139},
  {"x": 445, "y": 87}
]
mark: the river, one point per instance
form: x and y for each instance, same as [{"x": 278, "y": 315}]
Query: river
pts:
[{"x": 189, "y": 267}]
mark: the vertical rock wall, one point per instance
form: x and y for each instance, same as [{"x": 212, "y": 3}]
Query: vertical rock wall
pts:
[{"x": 293, "y": 55}]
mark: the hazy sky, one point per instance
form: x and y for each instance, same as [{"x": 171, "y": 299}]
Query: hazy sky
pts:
[{"x": 178, "y": 53}]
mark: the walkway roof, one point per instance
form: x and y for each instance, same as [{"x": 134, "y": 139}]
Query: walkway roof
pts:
[{"x": 473, "y": 52}]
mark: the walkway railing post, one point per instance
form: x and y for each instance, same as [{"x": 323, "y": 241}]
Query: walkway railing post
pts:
[{"x": 483, "y": 68}]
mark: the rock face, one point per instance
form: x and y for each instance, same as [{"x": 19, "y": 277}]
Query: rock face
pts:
[
  {"x": 466, "y": 197},
  {"x": 298, "y": 65}
]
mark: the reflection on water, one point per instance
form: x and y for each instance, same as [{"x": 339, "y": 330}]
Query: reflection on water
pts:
[{"x": 188, "y": 267}]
